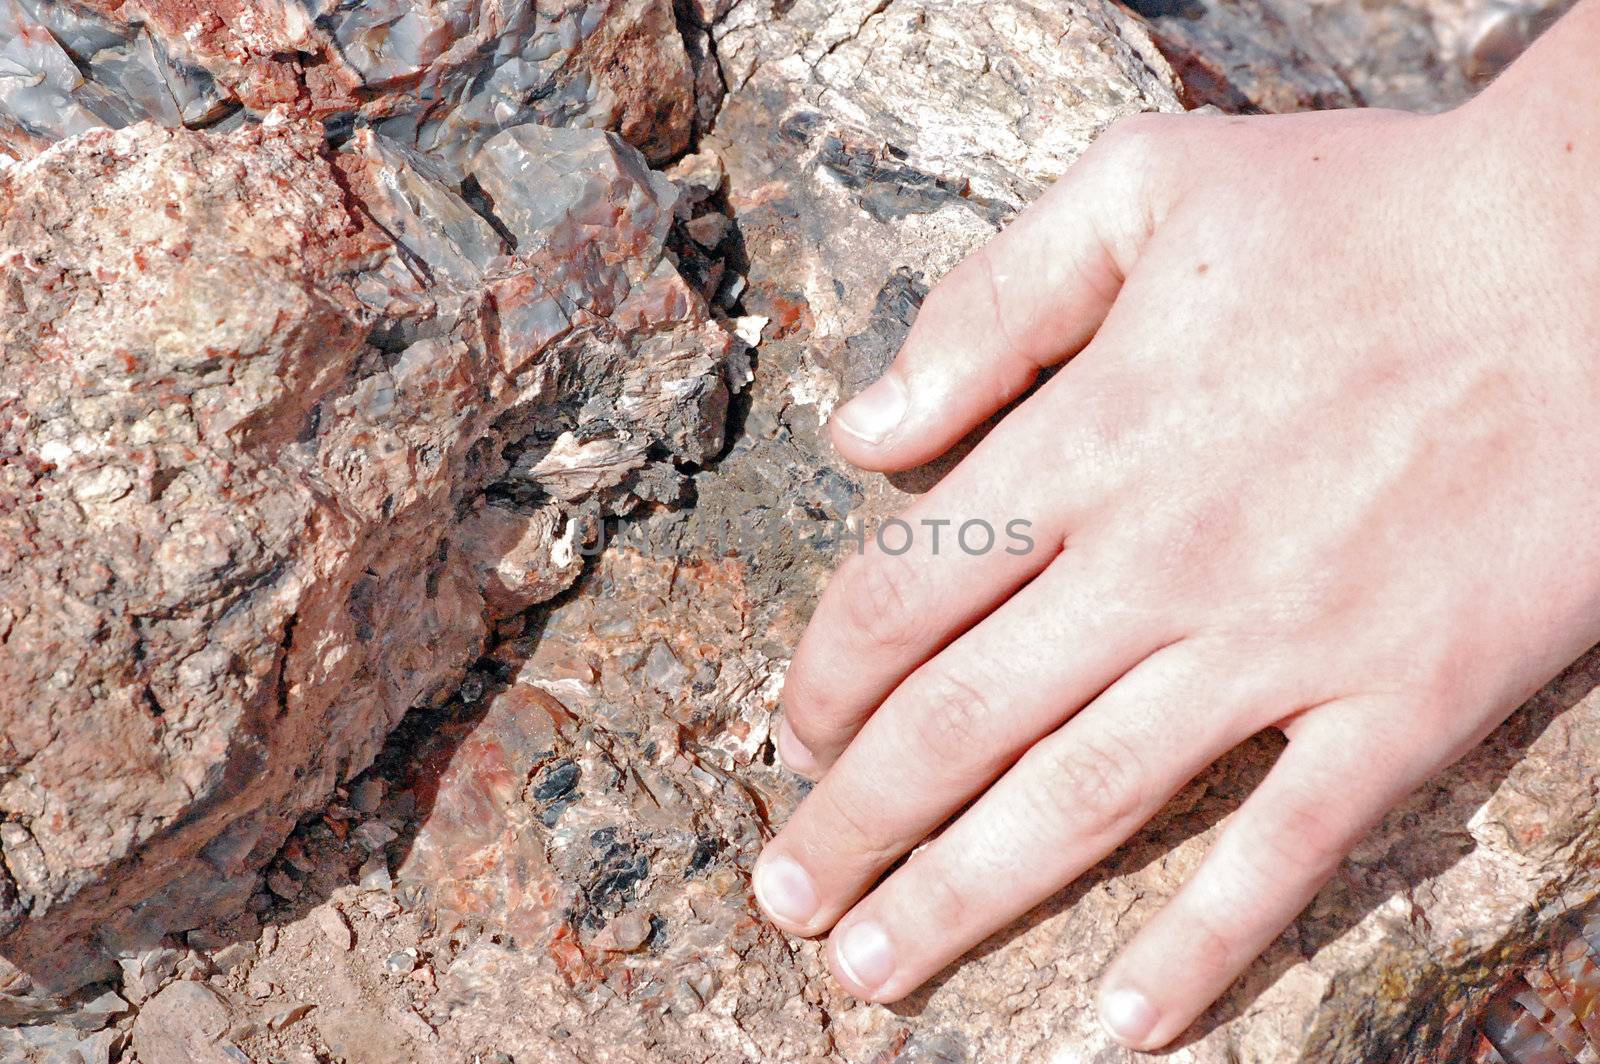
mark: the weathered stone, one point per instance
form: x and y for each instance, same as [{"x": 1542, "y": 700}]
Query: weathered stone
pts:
[
  {"x": 59, "y": 1044},
  {"x": 1420, "y": 55},
  {"x": 182, "y": 1025},
  {"x": 626, "y": 933},
  {"x": 333, "y": 926},
  {"x": 441, "y": 77},
  {"x": 260, "y": 397},
  {"x": 285, "y": 1017},
  {"x": 366, "y": 796}
]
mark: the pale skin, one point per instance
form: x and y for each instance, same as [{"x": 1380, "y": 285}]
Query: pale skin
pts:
[{"x": 1324, "y": 457}]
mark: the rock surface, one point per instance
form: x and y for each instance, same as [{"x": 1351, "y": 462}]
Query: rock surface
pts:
[
  {"x": 1272, "y": 56},
  {"x": 184, "y": 1024},
  {"x": 549, "y": 860},
  {"x": 444, "y": 77},
  {"x": 286, "y": 431}
]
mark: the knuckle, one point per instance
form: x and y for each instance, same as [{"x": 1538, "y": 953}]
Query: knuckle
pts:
[
  {"x": 1213, "y": 948},
  {"x": 1110, "y": 424},
  {"x": 1094, "y": 785},
  {"x": 1131, "y": 140},
  {"x": 1300, "y": 839},
  {"x": 811, "y": 711},
  {"x": 942, "y": 296},
  {"x": 876, "y": 594},
  {"x": 939, "y": 895},
  {"x": 853, "y": 832},
  {"x": 953, "y": 717}
]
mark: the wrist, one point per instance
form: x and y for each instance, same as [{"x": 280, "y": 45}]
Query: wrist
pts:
[
  {"x": 1551, "y": 90},
  {"x": 1530, "y": 142}
]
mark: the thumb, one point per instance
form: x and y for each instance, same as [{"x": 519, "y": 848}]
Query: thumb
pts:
[{"x": 1032, "y": 297}]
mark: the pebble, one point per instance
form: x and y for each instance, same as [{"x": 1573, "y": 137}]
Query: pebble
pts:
[
  {"x": 700, "y": 176},
  {"x": 194, "y": 966},
  {"x": 750, "y": 327},
  {"x": 708, "y": 230},
  {"x": 242, "y": 1031},
  {"x": 413, "y": 1024},
  {"x": 374, "y": 874},
  {"x": 401, "y": 961},
  {"x": 296, "y": 856},
  {"x": 97, "y": 1013},
  {"x": 145, "y": 972},
  {"x": 231, "y": 956},
  {"x": 381, "y": 905},
  {"x": 284, "y": 1017},
  {"x": 666, "y": 673},
  {"x": 685, "y": 1001},
  {"x": 706, "y": 983},
  {"x": 332, "y": 924},
  {"x": 283, "y": 886},
  {"x": 375, "y": 834},
  {"x": 181, "y": 1023},
  {"x": 626, "y": 933},
  {"x": 104, "y": 1047},
  {"x": 557, "y": 780},
  {"x": 367, "y": 795},
  {"x": 1494, "y": 43},
  {"x": 401, "y": 806}
]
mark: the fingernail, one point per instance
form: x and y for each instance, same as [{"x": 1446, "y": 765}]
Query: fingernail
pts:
[
  {"x": 873, "y": 414},
  {"x": 793, "y": 753},
  {"x": 1129, "y": 1016},
  {"x": 865, "y": 955},
  {"x": 784, "y": 890}
]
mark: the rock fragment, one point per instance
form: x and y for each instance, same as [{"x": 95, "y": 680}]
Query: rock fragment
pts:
[
  {"x": 278, "y": 1019},
  {"x": 623, "y": 934},
  {"x": 182, "y": 1025},
  {"x": 374, "y": 873},
  {"x": 334, "y": 927},
  {"x": 367, "y": 795}
]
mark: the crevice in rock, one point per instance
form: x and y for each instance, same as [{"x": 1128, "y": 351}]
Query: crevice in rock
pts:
[{"x": 482, "y": 204}]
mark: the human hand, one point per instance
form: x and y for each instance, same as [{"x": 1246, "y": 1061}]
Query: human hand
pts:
[{"x": 1328, "y": 462}]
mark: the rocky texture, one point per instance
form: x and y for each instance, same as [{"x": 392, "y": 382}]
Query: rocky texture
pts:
[
  {"x": 1270, "y": 56},
  {"x": 444, "y": 77},
  {"x": 1546, "y": 1012},
  {"x": 549, "y": 860},
  {"x": 286, "y": 431},
  {"x": 185, "y": 1022}
]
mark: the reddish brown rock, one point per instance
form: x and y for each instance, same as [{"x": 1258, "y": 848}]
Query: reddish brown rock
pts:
[{"x": 279, "y": 443}]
